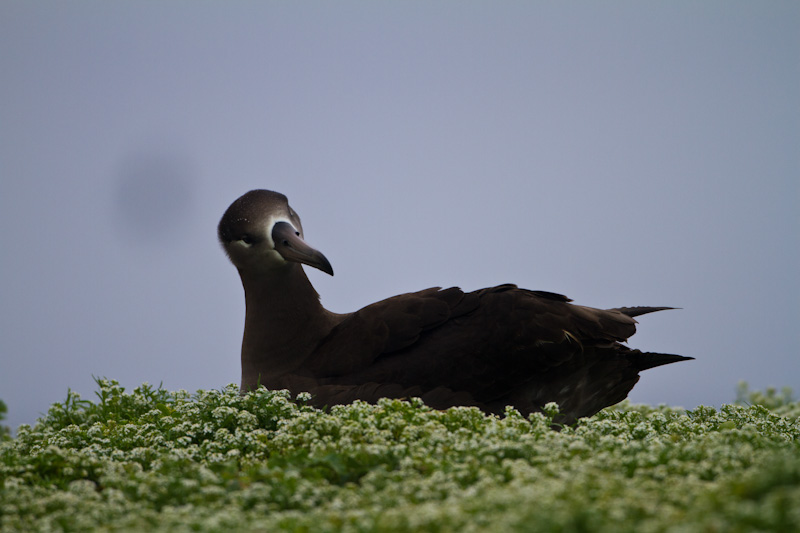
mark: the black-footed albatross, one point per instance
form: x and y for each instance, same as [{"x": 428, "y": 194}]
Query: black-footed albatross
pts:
[{"x": 489, "y": 348}]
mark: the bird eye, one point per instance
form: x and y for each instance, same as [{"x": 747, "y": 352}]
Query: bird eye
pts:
[{"x": 297, "y": 233}]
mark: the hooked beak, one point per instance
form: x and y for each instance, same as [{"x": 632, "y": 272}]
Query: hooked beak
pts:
[{"x": 292, "y": 248}]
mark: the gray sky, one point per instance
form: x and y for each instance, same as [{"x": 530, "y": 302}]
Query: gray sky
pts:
[{"x": 619, "y": 153}]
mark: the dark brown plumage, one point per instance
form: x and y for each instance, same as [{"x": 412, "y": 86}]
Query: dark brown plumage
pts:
[{"x": 488, "y": 348}]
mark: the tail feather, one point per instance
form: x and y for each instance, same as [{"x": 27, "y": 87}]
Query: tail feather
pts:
[
  {"x": 646, "y": 360},
  {"x": 641, "y": 310}
]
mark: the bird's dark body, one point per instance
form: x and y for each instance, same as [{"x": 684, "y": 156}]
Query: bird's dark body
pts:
[{"x": 489, "y": 348}]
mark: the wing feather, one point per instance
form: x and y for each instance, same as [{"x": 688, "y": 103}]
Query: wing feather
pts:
[{"x": 496, "y": 346}]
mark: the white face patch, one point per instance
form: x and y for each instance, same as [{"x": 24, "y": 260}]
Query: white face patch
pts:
[
  {"x": 271, "y": 221},
  {"x": 270, "y": 225},
  {"x": 265, "y": 256}
]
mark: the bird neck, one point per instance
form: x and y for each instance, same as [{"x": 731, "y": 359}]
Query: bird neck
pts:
[{"x": 284, "y": 322}]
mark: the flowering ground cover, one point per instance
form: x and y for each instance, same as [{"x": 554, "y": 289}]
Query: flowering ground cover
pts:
[{"x": 156, "y": 460}]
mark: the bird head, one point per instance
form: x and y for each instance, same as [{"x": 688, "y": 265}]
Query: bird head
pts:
[{"x": 260, "y": 232}]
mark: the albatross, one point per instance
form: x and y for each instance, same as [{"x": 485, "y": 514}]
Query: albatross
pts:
[{"x": 489, "y": 348}]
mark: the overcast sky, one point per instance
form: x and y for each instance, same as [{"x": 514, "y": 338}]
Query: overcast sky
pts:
[{"x": 620, "y": 153}]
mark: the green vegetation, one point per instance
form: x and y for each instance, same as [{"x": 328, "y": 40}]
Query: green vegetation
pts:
[
  {"x": 155, "y": 460},
  {"x": 5, "y": 432},
  {"x": 779, "y": 403}
]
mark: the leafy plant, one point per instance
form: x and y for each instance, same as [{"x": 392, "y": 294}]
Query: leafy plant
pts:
[
  {"x": 780, "y": 402},
  {"x": 5, "y": 432},
  {"x": 217, "y": 460}
]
